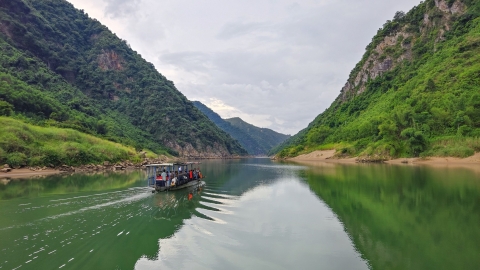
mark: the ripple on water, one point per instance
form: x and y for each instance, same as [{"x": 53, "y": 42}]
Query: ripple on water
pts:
[{"x": 64, "y": 227}]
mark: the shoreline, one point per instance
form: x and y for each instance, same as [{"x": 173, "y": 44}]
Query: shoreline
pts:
[
  {"x": 25, "y": 173},
  {"x": 37, "y": 172},
  {"x": 320, "y": 156},
  {"x": 327, "y": 156}
]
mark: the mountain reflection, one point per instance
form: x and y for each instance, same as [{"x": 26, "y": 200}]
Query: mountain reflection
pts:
[{"x": 402, "y": 217}]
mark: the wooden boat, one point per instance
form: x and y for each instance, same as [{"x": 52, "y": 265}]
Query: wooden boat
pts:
[{"x": 178, "y": 176}]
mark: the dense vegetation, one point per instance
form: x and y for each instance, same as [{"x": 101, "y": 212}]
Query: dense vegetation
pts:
[
  {"x": 23, "y": 144},
  {"x": 426, "y": 104},
  {"x": 60, "y": 68},
  {"x": 257, "y": 141},
  {"x": 266, "y": 138}
]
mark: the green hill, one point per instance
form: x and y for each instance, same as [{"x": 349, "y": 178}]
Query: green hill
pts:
[
  {"x": 257, "y": 141},
  {"x": 416, "y": 90},
  {"x": 60, "y": 68},
  {"x": 23, "y": 144}
]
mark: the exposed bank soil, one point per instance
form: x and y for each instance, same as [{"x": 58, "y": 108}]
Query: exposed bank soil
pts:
[
  {"x": 329, "y": 157},
  {"x": 324, "y": 156},
  {"x": 6, "y": 172},
  {"x": 473, "y": 160},
  {"x": 27, "y": 173}
]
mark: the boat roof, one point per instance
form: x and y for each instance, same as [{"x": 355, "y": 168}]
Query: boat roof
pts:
[
  {"x": 172, "y": 164},
  {"x": 160, "y": 165}
]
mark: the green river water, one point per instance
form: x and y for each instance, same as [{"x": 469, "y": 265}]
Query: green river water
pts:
[{"x": 252, "y": 214}]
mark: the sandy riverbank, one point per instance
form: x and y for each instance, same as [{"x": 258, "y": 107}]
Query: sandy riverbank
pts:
[
  {"x": 323, "y": 156},
  {"x": 328, "y": 157},
  {"x": 27, "y": 173}
]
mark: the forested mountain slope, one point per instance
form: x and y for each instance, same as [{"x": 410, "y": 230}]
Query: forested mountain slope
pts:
[
  {"x": 58, "y": 67},
  {"x": 416, "y": 90},
  {"x": 266, "y": 138},
  {"x": 257, "y": 141}
]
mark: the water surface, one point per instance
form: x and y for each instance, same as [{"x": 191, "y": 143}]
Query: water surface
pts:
[{"x": 252, "y": 214}]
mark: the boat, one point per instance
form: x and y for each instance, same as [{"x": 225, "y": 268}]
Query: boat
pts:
[{"x": 178, "y": 176}]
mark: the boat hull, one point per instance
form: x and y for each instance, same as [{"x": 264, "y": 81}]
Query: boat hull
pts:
[{"x": 194, "y": 183}]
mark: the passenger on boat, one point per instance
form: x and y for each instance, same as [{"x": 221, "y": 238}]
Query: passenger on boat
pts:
[
  {"x": 164, "y": 175},
  {"x": 190, "y": 175},
  {"x": 159, "y": 180},
  {"x": 169, "y": 178}
]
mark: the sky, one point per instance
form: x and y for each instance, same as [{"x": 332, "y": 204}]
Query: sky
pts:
[{"x": 274, "y": 63}]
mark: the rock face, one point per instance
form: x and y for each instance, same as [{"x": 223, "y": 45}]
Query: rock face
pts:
[
  {"x": 381, "y": 60},
  {"x": 188, "y": 151},
  {"x": 456, "y": 8},
  {"x": 110, "y": 60},
  {"x": 377, "y": 63}
]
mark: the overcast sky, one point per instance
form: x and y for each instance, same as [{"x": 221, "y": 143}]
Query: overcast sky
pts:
[{"x": 275, "y": 63}]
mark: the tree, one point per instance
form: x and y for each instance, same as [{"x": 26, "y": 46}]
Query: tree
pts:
[
  {"x": 102, "y": 127},
  {"x": 399, "y": 15},
  {"x": 6, "y": 108},
  {"x": 430, "y": 85},
  {"x": 415, "y": 140}
]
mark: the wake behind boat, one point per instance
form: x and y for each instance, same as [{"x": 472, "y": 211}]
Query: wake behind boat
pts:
[{"x": 174, "y": 176}]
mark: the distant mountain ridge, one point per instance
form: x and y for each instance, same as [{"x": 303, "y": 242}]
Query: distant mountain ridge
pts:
[
  {"x": 59, "y": 67},
  {"x": 257, "y": 141}
]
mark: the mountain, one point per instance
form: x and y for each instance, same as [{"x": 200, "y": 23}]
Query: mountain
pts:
[
  {"x": 59, "y": 67},
  {"x": 266, "y": 138},
  {"x": 257, "y": 141},
  {"x": 415, "y": 92}
]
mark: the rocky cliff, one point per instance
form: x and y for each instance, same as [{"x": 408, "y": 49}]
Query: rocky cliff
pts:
[{"x": 396, "y": 46}]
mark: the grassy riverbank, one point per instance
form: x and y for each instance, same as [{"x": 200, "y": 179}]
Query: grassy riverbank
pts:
[{"x": 23, "y": 144}]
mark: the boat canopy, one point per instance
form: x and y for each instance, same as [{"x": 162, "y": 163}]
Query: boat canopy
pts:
[
  {"x": 172, "y": 164},
  {"x": 160, "y": 165},
  {"x": 154, "y": 169}
]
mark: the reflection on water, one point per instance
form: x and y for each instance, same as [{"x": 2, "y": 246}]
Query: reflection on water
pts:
[
  {"x": 67, "y": 183},
  {"x": 403, "y": 217},
  {"x": 260, "y": 216},
  {"x": 86, "y": 221},
  {"x": 252, "y": 214}
]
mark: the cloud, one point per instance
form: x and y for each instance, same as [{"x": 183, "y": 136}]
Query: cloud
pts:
[
  {"x": 276, "y": 64},
  {"x": 240, "y": 29},
  {"x": 188, "y": 61},
  {"x": 121, "y": 8}
]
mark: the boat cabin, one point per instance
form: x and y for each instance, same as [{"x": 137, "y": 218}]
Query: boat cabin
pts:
[{"x": 172, "y": 175}]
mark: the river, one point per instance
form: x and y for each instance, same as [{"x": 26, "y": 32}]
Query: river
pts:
[{"x": 252, "y": 214}]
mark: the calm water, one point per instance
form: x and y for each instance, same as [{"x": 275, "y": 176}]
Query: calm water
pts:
[{"x": 252, "y": 214}]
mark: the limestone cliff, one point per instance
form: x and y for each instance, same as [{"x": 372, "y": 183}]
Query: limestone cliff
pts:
[
  {"x": 396, "y": 45},
  {"x": 110, "y": 60}
]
